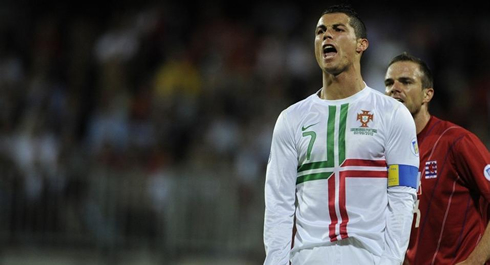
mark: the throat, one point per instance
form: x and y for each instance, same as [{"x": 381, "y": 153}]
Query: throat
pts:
[{"x": 341, "y": 86}]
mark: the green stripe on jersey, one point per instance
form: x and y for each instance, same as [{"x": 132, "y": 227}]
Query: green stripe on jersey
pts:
[
  {"x": 330, "y": 145},
  {"x": 342, "y": 126},
  {"x": 315, "y": 165},
  {"x": 330, "y": 135},
  {"x": 314, "y": 176}
]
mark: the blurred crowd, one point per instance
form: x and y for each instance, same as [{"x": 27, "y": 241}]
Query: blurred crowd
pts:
[{"x": 172, "y": 88}]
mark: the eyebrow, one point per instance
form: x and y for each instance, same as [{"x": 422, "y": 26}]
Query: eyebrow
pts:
[
  {"x": 405, "y": 78},
  {"x": 400, "y": 79},
  {"x": 322, "y": 26}
]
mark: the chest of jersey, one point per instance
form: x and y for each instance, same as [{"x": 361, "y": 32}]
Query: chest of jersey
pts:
[
  {"x": 436, "y": 163},
  {"x": 332, "y": 134}
]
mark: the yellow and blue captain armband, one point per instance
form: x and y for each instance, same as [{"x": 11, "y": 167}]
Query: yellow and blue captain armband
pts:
[{"x": 402, "y": 175}]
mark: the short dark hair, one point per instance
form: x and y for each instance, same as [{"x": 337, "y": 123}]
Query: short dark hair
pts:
[
  {"x": 355, "y": 21},
  {"x": 427, "y": 79}
]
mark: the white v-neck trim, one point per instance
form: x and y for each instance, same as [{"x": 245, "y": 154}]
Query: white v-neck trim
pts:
[{"x": 356, "y": 96}]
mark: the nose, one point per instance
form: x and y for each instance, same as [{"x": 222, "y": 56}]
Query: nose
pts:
[{"x": 327, "y": 34}]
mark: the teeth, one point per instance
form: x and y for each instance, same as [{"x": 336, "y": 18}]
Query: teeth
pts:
[{"x": 328, "y": 46}]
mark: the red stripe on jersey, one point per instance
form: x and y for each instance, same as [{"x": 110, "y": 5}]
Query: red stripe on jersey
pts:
[
  {"x": 342, "y": 200},
  {"x": 343, "y": 210},
  {"x": 353, "y": 174},
  {"x": 364, "y": 163},
  {"x": 363, "y": 174},
  {"x": 342, "y": 191},
  {"x": 331, "y": 209}
]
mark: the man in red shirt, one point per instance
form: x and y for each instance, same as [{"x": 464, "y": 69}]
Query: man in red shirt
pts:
[{"x": 450, "y": 224}]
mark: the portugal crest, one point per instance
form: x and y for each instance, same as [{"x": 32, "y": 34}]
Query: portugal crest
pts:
[{"x": 365, "y": 118}]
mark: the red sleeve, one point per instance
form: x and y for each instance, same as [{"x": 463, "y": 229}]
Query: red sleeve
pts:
[{"x": 473, "y": 164}]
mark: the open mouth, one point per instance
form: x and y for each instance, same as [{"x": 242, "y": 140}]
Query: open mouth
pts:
[
  {"x": 399, "y": 99},
  {"x": 329, "y": 50}
]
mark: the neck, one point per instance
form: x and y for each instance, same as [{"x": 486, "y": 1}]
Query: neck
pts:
[
  {"x": 421, "y": 119},
  {"x": 341, "y": 86}
]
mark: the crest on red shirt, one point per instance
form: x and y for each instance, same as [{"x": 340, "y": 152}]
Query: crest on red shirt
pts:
[
  {"x": 365, "y": 118},
  {"x": 431, "y": 169},
  {"x": 486, "y": 172}
]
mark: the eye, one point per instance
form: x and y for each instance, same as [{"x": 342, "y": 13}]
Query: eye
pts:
[
  {"x": 406, "y": 81},
  {"x": 319, "y": 31},
  {"x": 338, "y": 28}
]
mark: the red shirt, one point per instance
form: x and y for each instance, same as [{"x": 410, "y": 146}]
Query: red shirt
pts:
[{"x": 453, "y": 190}]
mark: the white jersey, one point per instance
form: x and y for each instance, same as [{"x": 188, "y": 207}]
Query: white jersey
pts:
[{"x": 328, "y": 174}]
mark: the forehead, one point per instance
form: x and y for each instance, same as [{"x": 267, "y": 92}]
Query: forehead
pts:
[
  {"x": 404, "y": 69},
  {"x": 332, "y": 19}
]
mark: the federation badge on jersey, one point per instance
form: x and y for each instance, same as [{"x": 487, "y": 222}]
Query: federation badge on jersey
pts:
[
  {"x": 486, "y": 172},
  {"x": 415, "y": 147},
  {"x": 365, "y": 117},
  {"x": 431, "y": 169}
]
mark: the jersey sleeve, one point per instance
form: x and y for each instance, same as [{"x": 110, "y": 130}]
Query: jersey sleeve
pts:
[
  {"x": 402, "y": 157},
  {"x": 472, "y": 161},
  {"x": 401, "y": 143},
  {"x": 280, "y": 188}
]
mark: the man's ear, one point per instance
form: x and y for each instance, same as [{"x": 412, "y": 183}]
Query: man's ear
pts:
[
  {"x": 428, "y": 94},
  {"x": 362, "y": 45}
]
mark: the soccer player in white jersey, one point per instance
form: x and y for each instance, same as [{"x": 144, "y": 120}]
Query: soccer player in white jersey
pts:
[{"x": 342, "y": 174}]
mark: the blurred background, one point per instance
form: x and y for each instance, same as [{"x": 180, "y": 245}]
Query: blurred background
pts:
[{"x": 137, "y": 132}]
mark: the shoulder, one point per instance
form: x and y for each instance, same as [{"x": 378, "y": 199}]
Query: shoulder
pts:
[
  {"x": 393, "y": 111},
  {"x": 455, "y": 135},
  {"x": 387, "y": 101},
  {"x": 466, "y": 148},
  {"x": 449, "y": 129}
]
